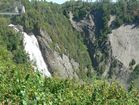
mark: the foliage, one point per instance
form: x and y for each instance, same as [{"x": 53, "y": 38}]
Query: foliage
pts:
[
  {"x": 112, "y": 94},
  {"x": 65, "y": 40},
  {"x": 134, "y": 77},
  {"x": 126, "y": 11},
  {"x": 135, "y": 73},
  {"x": 19, "y": 85},
  {"x": 12, "y": 41},
  {"x": 79, "y": 9}
]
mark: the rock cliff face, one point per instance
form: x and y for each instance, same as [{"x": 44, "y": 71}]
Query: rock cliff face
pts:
[
  {"x": 112, "y": 56},
  {"x": 32, "y": 48},
  {"x": 87, "y": 29},
  {"x": 125, "y": 44},
  {"x": 44, "y": 58},
  {"x": 60, "y": 65}
]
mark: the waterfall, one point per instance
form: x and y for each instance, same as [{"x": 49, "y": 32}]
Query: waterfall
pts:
[{"x": 32, "y": 48}]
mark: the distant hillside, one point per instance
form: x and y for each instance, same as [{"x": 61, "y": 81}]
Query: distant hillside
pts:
[{"x": 90, "y": 51}]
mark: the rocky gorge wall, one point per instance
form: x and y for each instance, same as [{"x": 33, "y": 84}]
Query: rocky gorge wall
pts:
[
  {"x": 112, "y": 57},
  {"x": 31, "y": 47},
  {"x": 125, "y": 49},
  {"x": 59, "y": 65},
  {"x": 46, "y": 60},
  {"x": 125, "y": 43}
]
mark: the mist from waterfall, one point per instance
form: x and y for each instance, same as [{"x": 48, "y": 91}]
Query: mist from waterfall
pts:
[{"x": 32, "y": 48}]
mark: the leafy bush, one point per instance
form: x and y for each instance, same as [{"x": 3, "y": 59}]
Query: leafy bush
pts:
[
  {"x": 21, "y": 87},
  {"x": 12, "y": 41},
  {"x": 134, "y": 77},
  {"x": 112, "y": 94}
]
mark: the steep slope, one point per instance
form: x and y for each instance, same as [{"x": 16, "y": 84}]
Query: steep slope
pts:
[
  {"x": 31, "y": 47},
  {"x": 74, "y": 50},
  {"x": 62, "y": 46},
  {"x": 124, "y": 42},
  {"x": 87, "y": 27},
  {"x": 59, "y": 64},
  {"x": 113, "y": 50},
  {"x": 19, "y": 84},
  {"x": 69, "y": 44}
]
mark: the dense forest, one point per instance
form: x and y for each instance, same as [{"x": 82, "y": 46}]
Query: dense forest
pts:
[
  {"x": 126, "y": 11},
  {"x": 19, "y": 84}
]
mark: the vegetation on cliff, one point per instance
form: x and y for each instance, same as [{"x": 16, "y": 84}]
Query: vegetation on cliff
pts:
[
  {"x": 19, "y": 84},
  {"x": 65, "y": 39}
]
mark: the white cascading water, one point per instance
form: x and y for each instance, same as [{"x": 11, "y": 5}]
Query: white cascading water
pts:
[{"x": 31, "y": 47}]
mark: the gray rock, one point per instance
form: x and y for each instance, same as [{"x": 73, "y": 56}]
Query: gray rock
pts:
[
  {"x": 116, "y": 52},
  {"x": 125, "y": 44},
  {"x": 60, "y": 64}
]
